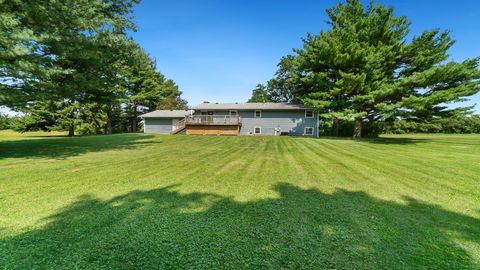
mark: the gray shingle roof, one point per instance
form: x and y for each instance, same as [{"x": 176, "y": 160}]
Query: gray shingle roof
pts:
[
  {"x": 166, "y": 114},
  {"x": 251, "y": 106}
]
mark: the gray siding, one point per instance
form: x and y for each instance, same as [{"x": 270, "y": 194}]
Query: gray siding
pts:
[
  {"x": 291, "y": 121},
  {"x": 158, "y": 125}
]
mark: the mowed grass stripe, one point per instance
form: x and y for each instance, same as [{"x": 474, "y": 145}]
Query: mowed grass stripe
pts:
[
  {"x": 407, "y": 202},
  {"x": 401, "y": 169}
]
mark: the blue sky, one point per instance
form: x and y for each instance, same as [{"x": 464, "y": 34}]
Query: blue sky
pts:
[{"x": 218, "y": 50}]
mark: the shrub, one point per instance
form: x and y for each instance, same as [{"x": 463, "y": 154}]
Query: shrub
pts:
[{"x": 458, "y": 125}]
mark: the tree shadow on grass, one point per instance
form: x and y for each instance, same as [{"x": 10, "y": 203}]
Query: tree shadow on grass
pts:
[
  {"x": 379, "y": 140},
  {"x": 406, "y": 141},
  {"x": 162, "y": 229},
  {"x": 63, "y": 147},
  {"x": 399, "y": 141}
]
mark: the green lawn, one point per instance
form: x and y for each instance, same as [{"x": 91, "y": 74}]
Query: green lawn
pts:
[{"x": 146, "y": 201}]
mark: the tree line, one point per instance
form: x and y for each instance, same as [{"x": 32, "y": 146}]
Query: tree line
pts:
[
  {"x": 364, "y": 73},
  {"x": 71, "y": 65}
]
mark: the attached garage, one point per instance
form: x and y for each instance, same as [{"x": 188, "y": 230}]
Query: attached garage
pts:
[
  {"x": 158, "y": 125},
  {"x": 162, "y": 121}
]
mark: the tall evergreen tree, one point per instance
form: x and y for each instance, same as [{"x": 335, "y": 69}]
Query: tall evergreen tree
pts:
[
  {"x": 49, "y": 115},
  {"x": 126, "y": 84},
  {"x": 364, "y": 68},
  {"x": 5, "y": 121},
  {"x": 147, "y": 88},
  {"x": 41, "y": 42},
  {"x": 63, "y": 61}
]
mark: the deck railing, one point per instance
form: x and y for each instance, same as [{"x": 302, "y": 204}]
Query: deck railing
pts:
[
  {"x": 178, "y": 126},
  {"x": 213, "y": 120}
]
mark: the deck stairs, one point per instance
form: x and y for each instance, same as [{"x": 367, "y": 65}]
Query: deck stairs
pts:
[{"x": 179, "y": 128}]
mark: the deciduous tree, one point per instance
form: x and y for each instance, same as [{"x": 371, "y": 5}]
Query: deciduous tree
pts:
[
  {"x": 365, "y": 68},
  {"x": 260, "y": 94}
]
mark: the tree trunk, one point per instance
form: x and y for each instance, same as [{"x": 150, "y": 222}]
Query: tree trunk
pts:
[
  {"x": 109, "y": 122},
  {"x": 357, "y": 130},
  {"x": 335, "y": 127},
  {"x": 134, "y": 120},
  {"x": 71, "y": 130},
  {"x": 72, "y": 116}
]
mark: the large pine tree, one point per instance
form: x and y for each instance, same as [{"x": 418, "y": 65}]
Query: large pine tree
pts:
[
  {"x": 364, "y": 68},
  {"x": 57, "y": 49}
]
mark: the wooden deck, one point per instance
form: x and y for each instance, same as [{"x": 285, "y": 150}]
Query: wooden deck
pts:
[
  {"x": 213, "y": 130},
  {"x": 212, "y": 125},
  {"x": 212, "y": 120}
]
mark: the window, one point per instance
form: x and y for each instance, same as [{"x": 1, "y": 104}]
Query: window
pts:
[
  {"x": 258, "y": 114},
  {"x": 257, "y": 130},
  {"x": 309, "y": 114},
  {"x": 233, "y": 113},
  {"x": 308, "y": 131}
]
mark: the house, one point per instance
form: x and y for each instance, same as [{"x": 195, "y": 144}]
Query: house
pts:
[
  {"x": 163, "y": 121},
  {"x": 235, "y": 119}
]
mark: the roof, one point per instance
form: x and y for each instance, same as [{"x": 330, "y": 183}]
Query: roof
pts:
[
  {"x": 251, "y": 106},
  {"x": 166, "y": 114}
]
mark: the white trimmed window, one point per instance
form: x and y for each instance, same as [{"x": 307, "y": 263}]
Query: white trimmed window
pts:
[
  {"x": 233, "y": 113},
  {"x": 309, "y": 114},
  {"x": 257, "y": 130},
  {"x": 258, "y": 114},
  {"x": 308, "y": 131}
]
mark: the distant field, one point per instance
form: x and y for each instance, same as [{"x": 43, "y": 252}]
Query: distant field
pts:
[{"x": 149, "y": 201}]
